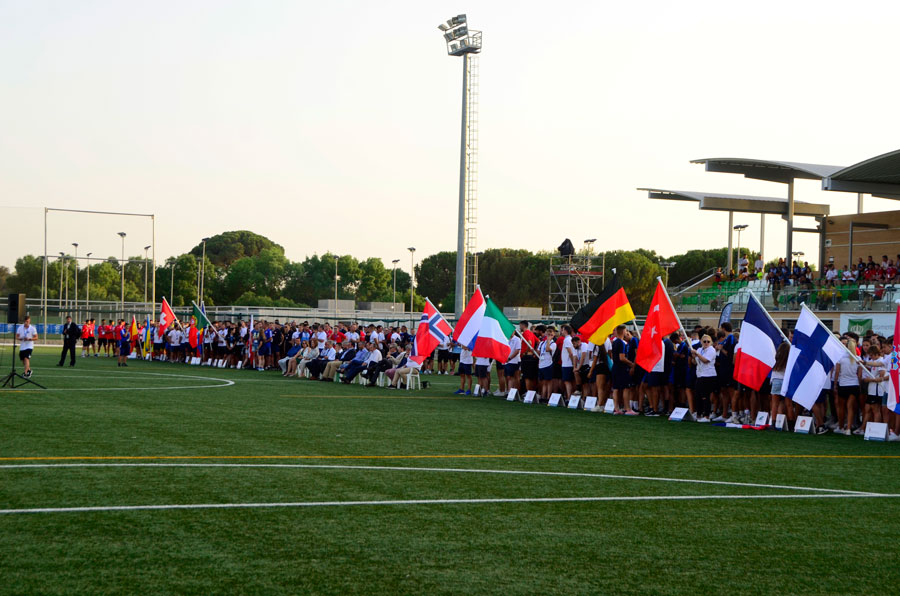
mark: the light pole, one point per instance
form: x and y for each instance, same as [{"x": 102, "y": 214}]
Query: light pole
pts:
[
  {"x": 394, "y": 262},
  {"x": 203, "y": 271},
  {"x": 412, "y": 276},
  {"x": 87, "y": 298},
  {"x": 477, "y": 256},
  {"x": 171, "y": 263},
  {"x": 122, "y": 236},
  {"x": 463, "y": 42},
  {"x": 146, "y": 248},
  {"x": 62, "y": 265},
  {"x": 75, "y": 244},
  {"x": 335, "y": 286},
  {"x": 589, "y": 245},
  {"x": 668, "y": 266},
  {"x": 740, "y": 228}
]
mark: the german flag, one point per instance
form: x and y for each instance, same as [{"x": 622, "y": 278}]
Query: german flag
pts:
[{"x": 598, "y": 318}]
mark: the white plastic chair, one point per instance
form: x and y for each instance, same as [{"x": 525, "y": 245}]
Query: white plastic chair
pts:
[{"x": 413, "y": 377}]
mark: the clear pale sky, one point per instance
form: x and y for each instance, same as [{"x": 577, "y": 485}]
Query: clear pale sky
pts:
[{"x": 334, "y": 126}]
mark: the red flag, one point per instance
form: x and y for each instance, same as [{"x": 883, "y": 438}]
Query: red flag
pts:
[
  {"x": 433, "y": 330},
  {"x": 661, "y": 321},
  {"x": 166, "y": 317},
  {"x": 192, "y": 337}
]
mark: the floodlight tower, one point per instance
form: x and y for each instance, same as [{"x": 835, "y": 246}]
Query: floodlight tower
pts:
[{"x": 461, "y": 41}]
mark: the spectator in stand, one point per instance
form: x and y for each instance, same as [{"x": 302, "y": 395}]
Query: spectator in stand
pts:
[
  {"x": 759, "y": 266},
  {"x": 288, "y": 364},
  {"x": 316, "y": 366},
  {"x": 406, "y": 366},
  {"x": 344, "y": 357}
]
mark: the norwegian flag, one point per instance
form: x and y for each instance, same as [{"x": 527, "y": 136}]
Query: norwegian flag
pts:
[{"x": 432, "y": 331}]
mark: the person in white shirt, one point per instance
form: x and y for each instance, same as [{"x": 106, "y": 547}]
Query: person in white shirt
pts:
[
  {"x": 706, "y": 376},
  {"x": 26, "y": 334},
  {"x": 465, "y": 371},
  {"x": 513, "y": 363},
  {"x": 759, "y": 265},
  {"x": 846, "y": 373},
  {"x": 873, "y": 375},
  {"x": 568, "y": 358},
  {"x": 546, "y": 351}
]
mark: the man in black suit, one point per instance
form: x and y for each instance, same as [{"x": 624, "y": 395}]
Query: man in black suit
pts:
[{"x": 70, "y": 332}]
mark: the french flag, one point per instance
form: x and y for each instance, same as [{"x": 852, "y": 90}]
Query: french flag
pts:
[
  {"x": 466, "y": 331},
  {"x": 754, "y": 355}
]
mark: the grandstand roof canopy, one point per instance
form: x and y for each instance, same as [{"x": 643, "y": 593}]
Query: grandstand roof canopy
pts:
[
  {"x": 764, "y": 169},
  {"x": 739, "y": 203},
  {"x": 879, "y": 176}
]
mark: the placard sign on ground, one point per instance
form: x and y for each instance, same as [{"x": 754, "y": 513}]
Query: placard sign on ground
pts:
[
  {"x": 529, "y": 397},
  {"x": 876, "y": 431},
  {"x": 477, "y": 389},
  {"x": 590, "y": 402},
  {"x": 804, "y": 424},
  {"x": 762, "y": 419},
  {"x": 678, "y": 414},
  {"x": 609, "y": 407},
  {"x": 554, "y": 399},
  {"x": 574, "y": 402},
  {"x": 779, "y": 421},
  {"x": 512, "y": 395}
]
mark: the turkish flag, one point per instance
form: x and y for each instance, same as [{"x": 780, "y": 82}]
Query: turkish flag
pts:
[
  {"x": 661, "y": 321},
  {"x": 166, "y": 317}
]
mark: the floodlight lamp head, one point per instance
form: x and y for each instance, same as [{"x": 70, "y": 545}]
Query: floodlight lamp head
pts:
[
  {"x": 148, "y": 247},
  {"x": 411, "y": 249},
  {"x": 75, "y": 244},
  {"x": 122, "y": 234}
]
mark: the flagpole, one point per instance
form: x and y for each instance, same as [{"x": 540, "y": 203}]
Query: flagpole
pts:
[
  {"x": 675, "y": 312},
  {"x": 768, "y": 316},
  {"x": 857, "y": 359}
]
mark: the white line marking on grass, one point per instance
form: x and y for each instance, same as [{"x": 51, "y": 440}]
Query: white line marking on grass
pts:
[
  {"x": 450, "y": 470},
  {"x": 432, "y": 502},
  {"x": 221, "y": 383}
]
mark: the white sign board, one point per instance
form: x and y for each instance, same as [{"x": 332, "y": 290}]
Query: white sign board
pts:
[
  {"x": 512, "y": 395},
  {"x": 574, "y": 402},
  {"x": 762, "y": 419},
  {"x": 590, "y": 402},
  {"x": 609, "y": 407},
  {"x": 477, "y": 390},
  {"x": 876, "y": 431},
  {"x": 804, "y": 425},
  {"x": 529, "y": 397},
  {"x": 554, "y": 399},
  {"x": 779, "y": 422},
  {"x": 678, "y": 414}
]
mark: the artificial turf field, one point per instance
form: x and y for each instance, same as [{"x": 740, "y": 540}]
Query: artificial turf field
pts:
[{"x": 344, "y": 462}]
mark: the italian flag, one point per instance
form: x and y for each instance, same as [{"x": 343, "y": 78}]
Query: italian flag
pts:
[{"x": 493, "y": 334}]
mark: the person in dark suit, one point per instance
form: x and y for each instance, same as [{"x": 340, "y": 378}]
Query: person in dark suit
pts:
[{"x": 70, "y": 333}]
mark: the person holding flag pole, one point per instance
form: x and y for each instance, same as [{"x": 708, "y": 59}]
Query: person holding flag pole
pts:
[{"x": 661, "y": 321}]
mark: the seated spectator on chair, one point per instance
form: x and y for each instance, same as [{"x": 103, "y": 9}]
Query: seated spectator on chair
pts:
[
  {"x": 373, "y": 365},
  {"x": 288, "y": 364},
  {"x": 359, "y": 363},
  {"x": 343, "y": 358},
  {"x": 398, "y": 362},
  {"x": 401, "y": 373},
  {"x": 308, "y": 353},
  {"x": 318, "y": 365}
]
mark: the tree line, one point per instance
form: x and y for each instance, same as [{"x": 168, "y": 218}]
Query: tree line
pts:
[{"x": 246, "y": 269}]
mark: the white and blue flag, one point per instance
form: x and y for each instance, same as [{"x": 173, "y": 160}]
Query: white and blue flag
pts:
[
  {"x": 725, "y": 315},
  {"x": 814, "y": 352}
]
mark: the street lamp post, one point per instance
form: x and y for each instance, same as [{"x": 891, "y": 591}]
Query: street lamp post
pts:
[
  {"x": 740, "y": 228},
  {"x": 412, "y": 277},
  {"x": 75, "y": 244},
  {"x": 336, "y": 258},
  {"x": 668, "y": 266},
  {"x": 146, "y": 248},
  {"x": 394, "y": 262},
  {"x": 171, "y": 262},
  {"x": 87, "y": 298},
  {"x": 62, "y": 266},
  {"x": 122, "y": 236},
  {"x": 203, "y": 271}
]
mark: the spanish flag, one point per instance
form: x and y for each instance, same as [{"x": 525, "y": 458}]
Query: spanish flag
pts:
[{"x": 599, "y": 317}]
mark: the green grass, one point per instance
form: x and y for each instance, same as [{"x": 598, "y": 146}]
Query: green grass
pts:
[{"x": 743, "y": 546}]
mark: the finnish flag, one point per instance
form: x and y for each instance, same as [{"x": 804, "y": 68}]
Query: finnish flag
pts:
[{"x": 814, "y": 352}]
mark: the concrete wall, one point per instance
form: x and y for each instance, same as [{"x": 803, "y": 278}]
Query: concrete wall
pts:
[
  {"x": 865, "y": 241},
  {"x": 518, "y": 313}
]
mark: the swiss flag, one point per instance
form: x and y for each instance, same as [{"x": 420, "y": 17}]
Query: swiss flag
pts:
[
  {"x": 166, "y": 317},
  {"x": 661, "y": 321}
]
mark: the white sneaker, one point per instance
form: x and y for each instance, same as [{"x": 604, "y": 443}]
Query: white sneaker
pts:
[
  {"x": 859, "y": 431},
  {"x": 599, "y": 409},
  {"x": 893, "y": 436},
  {"x": 499, "y": 394},
  {"x": 703, "y": 419},
  {"x": 718, "y": 418}
]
